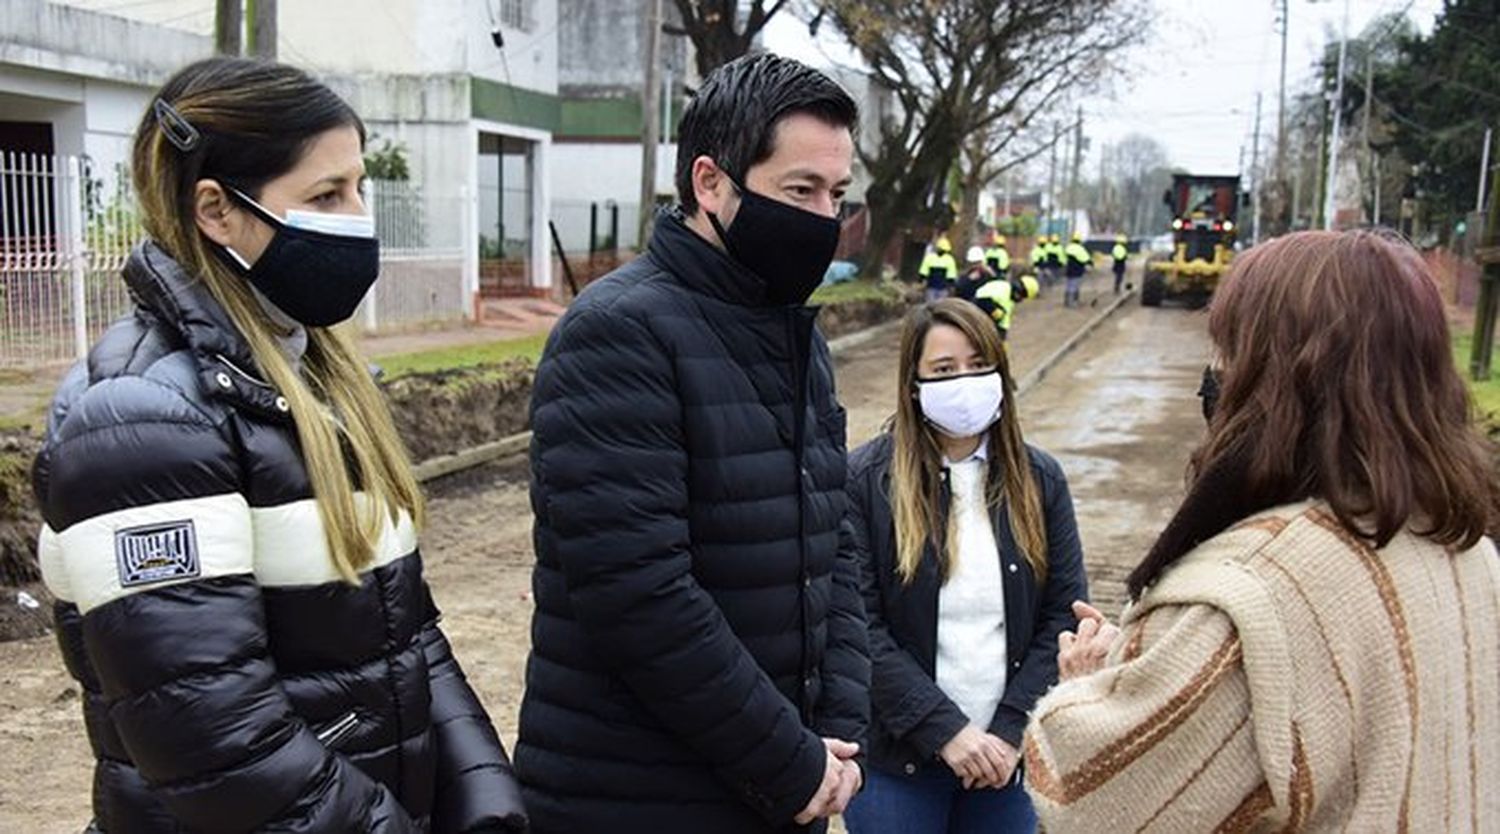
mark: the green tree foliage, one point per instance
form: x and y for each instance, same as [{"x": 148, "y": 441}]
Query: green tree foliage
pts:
[{"x": 1442, "y": 93}]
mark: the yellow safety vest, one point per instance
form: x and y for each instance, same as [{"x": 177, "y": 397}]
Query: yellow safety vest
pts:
[
  {"x": 998, "y": 258},
  {"x": 996, "y": 296},
  {"x": 939, "y": 260}
]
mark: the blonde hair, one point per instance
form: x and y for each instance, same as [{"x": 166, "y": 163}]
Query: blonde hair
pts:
[
  {"x": 917, "y": 458},
  {"x": 259, "y": 117}
]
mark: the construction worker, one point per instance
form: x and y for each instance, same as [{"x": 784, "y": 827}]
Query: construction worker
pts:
[
  {"x": 1039, "y": 256},
  {"x": 976, "y": 273},
  {"x": 997, "y": 299},
  {"x": 1054, "y": 259},
  {"x": 997, "y": 257},
  {"x": 1025, "y": 288},
  {"x": 1078, "y": 259},
  {"x": 940, "y": 270},
  {"x": 1120, "y": 253}
]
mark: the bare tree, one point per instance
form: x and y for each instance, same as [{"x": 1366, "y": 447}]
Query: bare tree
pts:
[
  {"x": 969, "y": 73},
  {"x": 714, "y": 28}
]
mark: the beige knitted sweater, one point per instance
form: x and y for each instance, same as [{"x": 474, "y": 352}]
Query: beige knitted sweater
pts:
[{"x": 1283, "y": 676}]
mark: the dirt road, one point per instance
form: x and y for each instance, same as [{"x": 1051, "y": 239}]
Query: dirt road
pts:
[{"x": 1116, "y": 413}]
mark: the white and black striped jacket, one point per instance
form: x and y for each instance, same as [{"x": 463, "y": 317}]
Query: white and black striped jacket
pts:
[{"x": 232, "y": 681}]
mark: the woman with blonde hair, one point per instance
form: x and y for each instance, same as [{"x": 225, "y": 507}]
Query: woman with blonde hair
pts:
[
  {"x": 231, "y": 519},
  {"x": 970, "y": 560},
  {"x": 1312, "y": 643}
]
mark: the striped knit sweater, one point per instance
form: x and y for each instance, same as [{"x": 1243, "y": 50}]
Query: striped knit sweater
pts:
[{"x": 1284, "y": 676}]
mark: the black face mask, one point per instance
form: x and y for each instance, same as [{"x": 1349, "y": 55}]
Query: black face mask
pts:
[
  {"x": 788, "y": 247},
  {"x": 317, "y": 278},
  {"x": 1209, "y": 393}
]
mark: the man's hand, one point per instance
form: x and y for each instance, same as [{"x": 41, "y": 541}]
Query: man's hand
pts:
[{"x": 841, "y": 780}]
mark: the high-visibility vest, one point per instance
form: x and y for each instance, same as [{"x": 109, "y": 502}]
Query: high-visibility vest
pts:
[
  {"x": 998, "y": 257},
  {"x": 940, "y": 269},
  {"x": 1078, "y": 258},
  {"x": 1120, "y": 253},
  {"x": 995, "y": 298}
]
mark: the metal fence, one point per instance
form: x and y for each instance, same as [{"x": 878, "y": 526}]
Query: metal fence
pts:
[{"x": 66, "y": 230}]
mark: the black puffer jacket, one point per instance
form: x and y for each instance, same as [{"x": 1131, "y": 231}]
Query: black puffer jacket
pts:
[
  {"x": 231, "y": 681},
  {"x": 698, "y": 622}
]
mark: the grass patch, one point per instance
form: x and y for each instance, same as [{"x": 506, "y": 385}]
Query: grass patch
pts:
[
  {"x": 855, "y": 291},
  {"x": 463, "y": 356},
  {"x": 32, "y": 419},
  {"x": 1486, "y": 394}
]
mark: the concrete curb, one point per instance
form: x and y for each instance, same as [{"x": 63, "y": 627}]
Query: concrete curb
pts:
[
  {"x": 1037, "y": 374},
  {"x": 517, "y": 444}
]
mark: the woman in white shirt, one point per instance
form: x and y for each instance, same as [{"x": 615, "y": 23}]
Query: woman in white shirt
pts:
[{"x": 970, "y": 563}]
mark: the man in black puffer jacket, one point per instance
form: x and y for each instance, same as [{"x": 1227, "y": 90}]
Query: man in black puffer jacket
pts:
[{"x": 699, "y": 660}]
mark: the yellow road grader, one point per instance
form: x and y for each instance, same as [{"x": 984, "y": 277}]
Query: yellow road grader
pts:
[{"x": 1204, "y": 209}]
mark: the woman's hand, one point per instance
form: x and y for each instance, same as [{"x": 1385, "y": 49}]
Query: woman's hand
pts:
[
  {"x": 1083, "y": 653},
  {"x": 979, "y": 759}
]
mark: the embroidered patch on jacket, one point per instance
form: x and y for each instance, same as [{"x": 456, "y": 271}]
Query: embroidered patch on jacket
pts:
[{"x": 157, "y": 553}]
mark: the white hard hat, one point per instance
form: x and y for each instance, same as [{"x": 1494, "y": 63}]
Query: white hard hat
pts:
[{"x": 975, "y": 254}]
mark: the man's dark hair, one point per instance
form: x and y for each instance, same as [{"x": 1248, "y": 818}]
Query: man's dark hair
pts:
[{"x": 733, "y": 118}]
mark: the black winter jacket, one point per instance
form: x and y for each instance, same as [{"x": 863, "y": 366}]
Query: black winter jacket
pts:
[
  {"x": 698, "y": 623},
  {"x": 232, "y": 682},
  {"x": 913, "y": 719}
]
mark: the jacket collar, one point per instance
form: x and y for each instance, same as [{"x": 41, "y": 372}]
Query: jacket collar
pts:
[
  {"x": 183, "y": 304},
  {"x": 702, "y": 267}
]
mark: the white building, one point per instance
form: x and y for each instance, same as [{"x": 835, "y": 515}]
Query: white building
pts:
[{"x": 468, "y": 87}]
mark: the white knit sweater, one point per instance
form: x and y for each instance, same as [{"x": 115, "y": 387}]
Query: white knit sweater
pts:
[{"x": 1284, "y": 675}]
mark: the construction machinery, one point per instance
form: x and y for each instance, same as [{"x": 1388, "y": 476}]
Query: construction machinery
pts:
[{"x": 1204, "y": 230}]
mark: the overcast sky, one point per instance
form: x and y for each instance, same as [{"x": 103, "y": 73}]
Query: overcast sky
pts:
[{"x": 1193, "y": 85}]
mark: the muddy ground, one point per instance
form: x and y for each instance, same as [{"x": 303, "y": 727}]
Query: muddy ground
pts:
[{"x": 1118, "y": 413}]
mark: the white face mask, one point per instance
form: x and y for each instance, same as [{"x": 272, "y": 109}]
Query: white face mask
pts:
[{"x": 962, "y": 406}]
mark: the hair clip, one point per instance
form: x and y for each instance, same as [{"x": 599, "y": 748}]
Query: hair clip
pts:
[{"x": 179, "y": 131}]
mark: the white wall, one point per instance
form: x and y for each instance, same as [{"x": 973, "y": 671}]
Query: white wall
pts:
[
  {"x": 420, "y": 37},
  {"x": 89, "y": 117},
  {"x": 73, "y": 41},
  {"x": 585, "y": 173},
  {"x": 529, "y": 59}
]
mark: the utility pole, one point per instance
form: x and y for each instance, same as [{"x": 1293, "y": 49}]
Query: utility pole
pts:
[
  {"x": 1369, "y": 106},
  {"x": 650, "y": 92},
  {"x": 1331, "y": 197},
  {"x": 260, "y": 24},
  {"x": 1255, "y": 176},
  {"x": 1077, "y": 163},
  {"x": 1376, "y": 166},
  {"x": 1489, "y": 293},
  {"x": 229, "y": 22},
  {"x": 1484, "y": 168},
  {"x": 1052, "y": 181},
  {"x": 1281, "y": 108}
]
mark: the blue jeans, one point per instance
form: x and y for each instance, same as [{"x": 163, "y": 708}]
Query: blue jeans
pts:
[
  {"x": 934, "y": 801},
  {"x": 1070, "y": 296}
]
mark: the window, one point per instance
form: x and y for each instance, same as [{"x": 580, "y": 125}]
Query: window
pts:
[{"x": 518, "y": 14}]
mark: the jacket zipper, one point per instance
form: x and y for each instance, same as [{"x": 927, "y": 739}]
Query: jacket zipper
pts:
[{"x": 331, "y": 734}]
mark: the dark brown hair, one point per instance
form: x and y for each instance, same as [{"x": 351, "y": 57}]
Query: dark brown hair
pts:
[
  {"x": 1337, "y": 383},
  {"x": 917, "y": 459}
]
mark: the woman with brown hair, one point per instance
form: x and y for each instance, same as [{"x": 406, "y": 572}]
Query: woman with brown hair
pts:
[
  {"x": 1312, "y": 642},
  {"x": 231, "y": 518},
  {"x": 969, "y": 560}
]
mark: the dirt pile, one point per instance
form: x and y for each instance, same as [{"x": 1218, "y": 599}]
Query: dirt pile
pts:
[{"x": 446, "y": 411}]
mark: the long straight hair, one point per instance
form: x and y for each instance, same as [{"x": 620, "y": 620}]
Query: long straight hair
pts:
[
  {"x": 256, "y": 120},
  {"x": 917, "y": 461},
  {"x": 1337, "y": 384}
]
